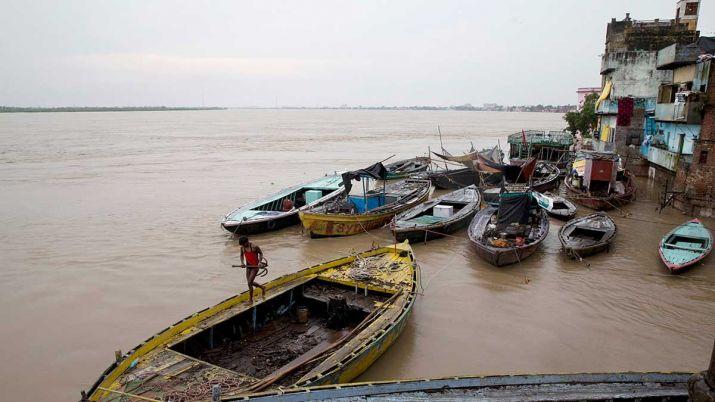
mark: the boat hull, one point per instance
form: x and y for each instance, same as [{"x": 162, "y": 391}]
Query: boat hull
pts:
[
  {"x": 454, "y": 179},
  {"x": 601, "y": 203},
  {"x": 341, "y": 362},
  {"x": 579, "y": 246},
  {"x": 335, "y": 225},
  {"x": 431, "y": 233},
  {"x": 362, "y": 361},
  {"x": 319, "y": 224},
  {"x": 249, "y": 227},
  {"x": 501, "y": 256},
  {"x": 626, "y": 387},
  {"x": 679, "y": 259}
]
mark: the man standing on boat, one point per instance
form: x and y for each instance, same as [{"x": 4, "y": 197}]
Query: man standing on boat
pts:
[{"x": 252, "y": 259}]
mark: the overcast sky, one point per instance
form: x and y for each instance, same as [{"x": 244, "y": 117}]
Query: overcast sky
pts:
[{"x": 307, "y": 53}]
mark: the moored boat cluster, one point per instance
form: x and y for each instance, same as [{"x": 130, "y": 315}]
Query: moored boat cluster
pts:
[{"x": 327, "y": 323}]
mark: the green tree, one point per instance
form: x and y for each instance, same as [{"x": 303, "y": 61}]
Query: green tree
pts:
[{"x": 583, "y": 121}]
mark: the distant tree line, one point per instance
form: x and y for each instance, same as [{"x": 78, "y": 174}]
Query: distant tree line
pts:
[{"x": 11, "y": 109}]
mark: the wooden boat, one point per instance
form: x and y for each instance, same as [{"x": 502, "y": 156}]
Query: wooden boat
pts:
[
  {"x": 511, "y": 232},
  {"x": 546, "y": 177},
  {"x": 685, "y": 246},
  {"x": 421, "y": 223},
  {"x": 588, "y": 235},
  {"x": 407, "y": 167},
  {"x": 556, "y": 206},
  {"x": 322, "y": 325},
  {"x": 601, "y": 201},
  {"x": 596, "y": 181},
  {"x": 454, "y": 179},
  {"x": 352, "y": 214},
  {"x": 546, "y": 146},
  {"x": 625, "y": 387},
  {"x": 493, "y": 154},
  {"x": 267, "y": 214}
]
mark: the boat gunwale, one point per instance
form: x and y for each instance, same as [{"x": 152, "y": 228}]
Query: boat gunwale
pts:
[
  {"x": 601, "y": 243},
  {"x": 377, "y": 335},
  {"x": 374, "y": 388},
  {"x": 396, "y": 207},
  {"x": 108, "y": 376},
  {"x": 675, "y": 268},
  {"x": 475, "y": 203}
]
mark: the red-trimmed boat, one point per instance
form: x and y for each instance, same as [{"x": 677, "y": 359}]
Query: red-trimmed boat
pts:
[{"x": 685, "y": 246}]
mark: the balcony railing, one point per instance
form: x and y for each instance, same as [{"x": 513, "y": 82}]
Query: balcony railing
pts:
[
  {"x": 683, "y": 112},
  {"x": 676, "y": 55},
  {"x": 662, "y": 157}
]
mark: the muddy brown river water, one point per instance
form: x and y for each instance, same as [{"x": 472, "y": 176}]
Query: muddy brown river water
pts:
[{"x": 109, "y": 231}]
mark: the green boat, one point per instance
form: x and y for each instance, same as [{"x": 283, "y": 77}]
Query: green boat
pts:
[
  {"x": 685, "y": 246},
  {"x": 547, "y": 146},
  {"x": 407, "y": 167}
]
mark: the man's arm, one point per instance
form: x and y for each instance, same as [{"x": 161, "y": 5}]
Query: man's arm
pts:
[
  {"x": 242, "y": 260},
  {"x": 259, "y": 253}
]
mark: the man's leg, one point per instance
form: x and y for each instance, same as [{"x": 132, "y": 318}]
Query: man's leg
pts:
[
  {"x": 252, "y": 278},
  {"x": 249, "y": 281}
]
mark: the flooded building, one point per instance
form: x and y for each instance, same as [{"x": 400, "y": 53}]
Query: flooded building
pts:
[
  {"x": 629, "y": 77},
  {"x": 679, "y": 140}
]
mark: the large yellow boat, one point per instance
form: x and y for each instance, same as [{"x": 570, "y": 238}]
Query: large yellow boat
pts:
[
  {"x": 322, "y": 325},
  {"x": 351, "y": 214}
]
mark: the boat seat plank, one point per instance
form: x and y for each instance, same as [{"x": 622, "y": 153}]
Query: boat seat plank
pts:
[
  {"x": 425, "y": 220},
  {"x": 684, "y": 246}
]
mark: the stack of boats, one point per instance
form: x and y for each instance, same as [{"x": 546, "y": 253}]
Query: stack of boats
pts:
[{"x": 327, "y": 323}]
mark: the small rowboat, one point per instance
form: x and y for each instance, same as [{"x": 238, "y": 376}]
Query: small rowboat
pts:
[
  {"x": 454, "y": 179},
  {"x": 407, "y": 167},
  {"x": 546, "y": 177},
  {"x": 510, "y": 233},
  {"x": 685, "y": 246},
  {"x": 267, "y": 214},
  {"x": 322, "y": 325},
  {"x": 353, "y": 214},
  {"x": 421, "y": 223},
  {"x": 556, "y": 206},
  {"x": 587, "y": 235}
]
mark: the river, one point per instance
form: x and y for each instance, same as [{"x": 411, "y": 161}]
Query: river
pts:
[{"x": 109, "y": 231}]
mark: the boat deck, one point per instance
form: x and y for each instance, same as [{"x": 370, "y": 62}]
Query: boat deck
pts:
[{"x": 238, "y": 344}]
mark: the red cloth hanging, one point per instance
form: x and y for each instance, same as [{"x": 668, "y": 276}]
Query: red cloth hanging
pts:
[{"x": 625, "y": 112}]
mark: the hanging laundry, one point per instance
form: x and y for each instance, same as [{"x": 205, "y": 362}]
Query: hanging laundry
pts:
[{"x": 625, "y": 112}]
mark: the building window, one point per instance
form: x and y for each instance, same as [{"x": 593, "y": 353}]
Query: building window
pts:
[
  {"x": 691, "y": 9},
  {"x": 703, "y": 157}
]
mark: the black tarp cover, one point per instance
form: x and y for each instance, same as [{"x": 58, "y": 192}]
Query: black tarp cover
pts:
[
  {"x": 376, "y": 171},
  {"x": 513, "y": 208}
]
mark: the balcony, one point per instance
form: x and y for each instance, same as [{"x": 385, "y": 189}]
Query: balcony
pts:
[
  {"x": 676, "y": 55},
  {"x": 608, "y": 106},
  {"x": 663, "y": 158},
  {"x": 608, "y": 63},
  {"x": 681, "y": 112}
]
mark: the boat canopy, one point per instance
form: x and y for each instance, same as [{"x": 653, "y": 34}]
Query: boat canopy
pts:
[
  {"x": 376, "y": 171},
  {"x": 514, "y": 208}
]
